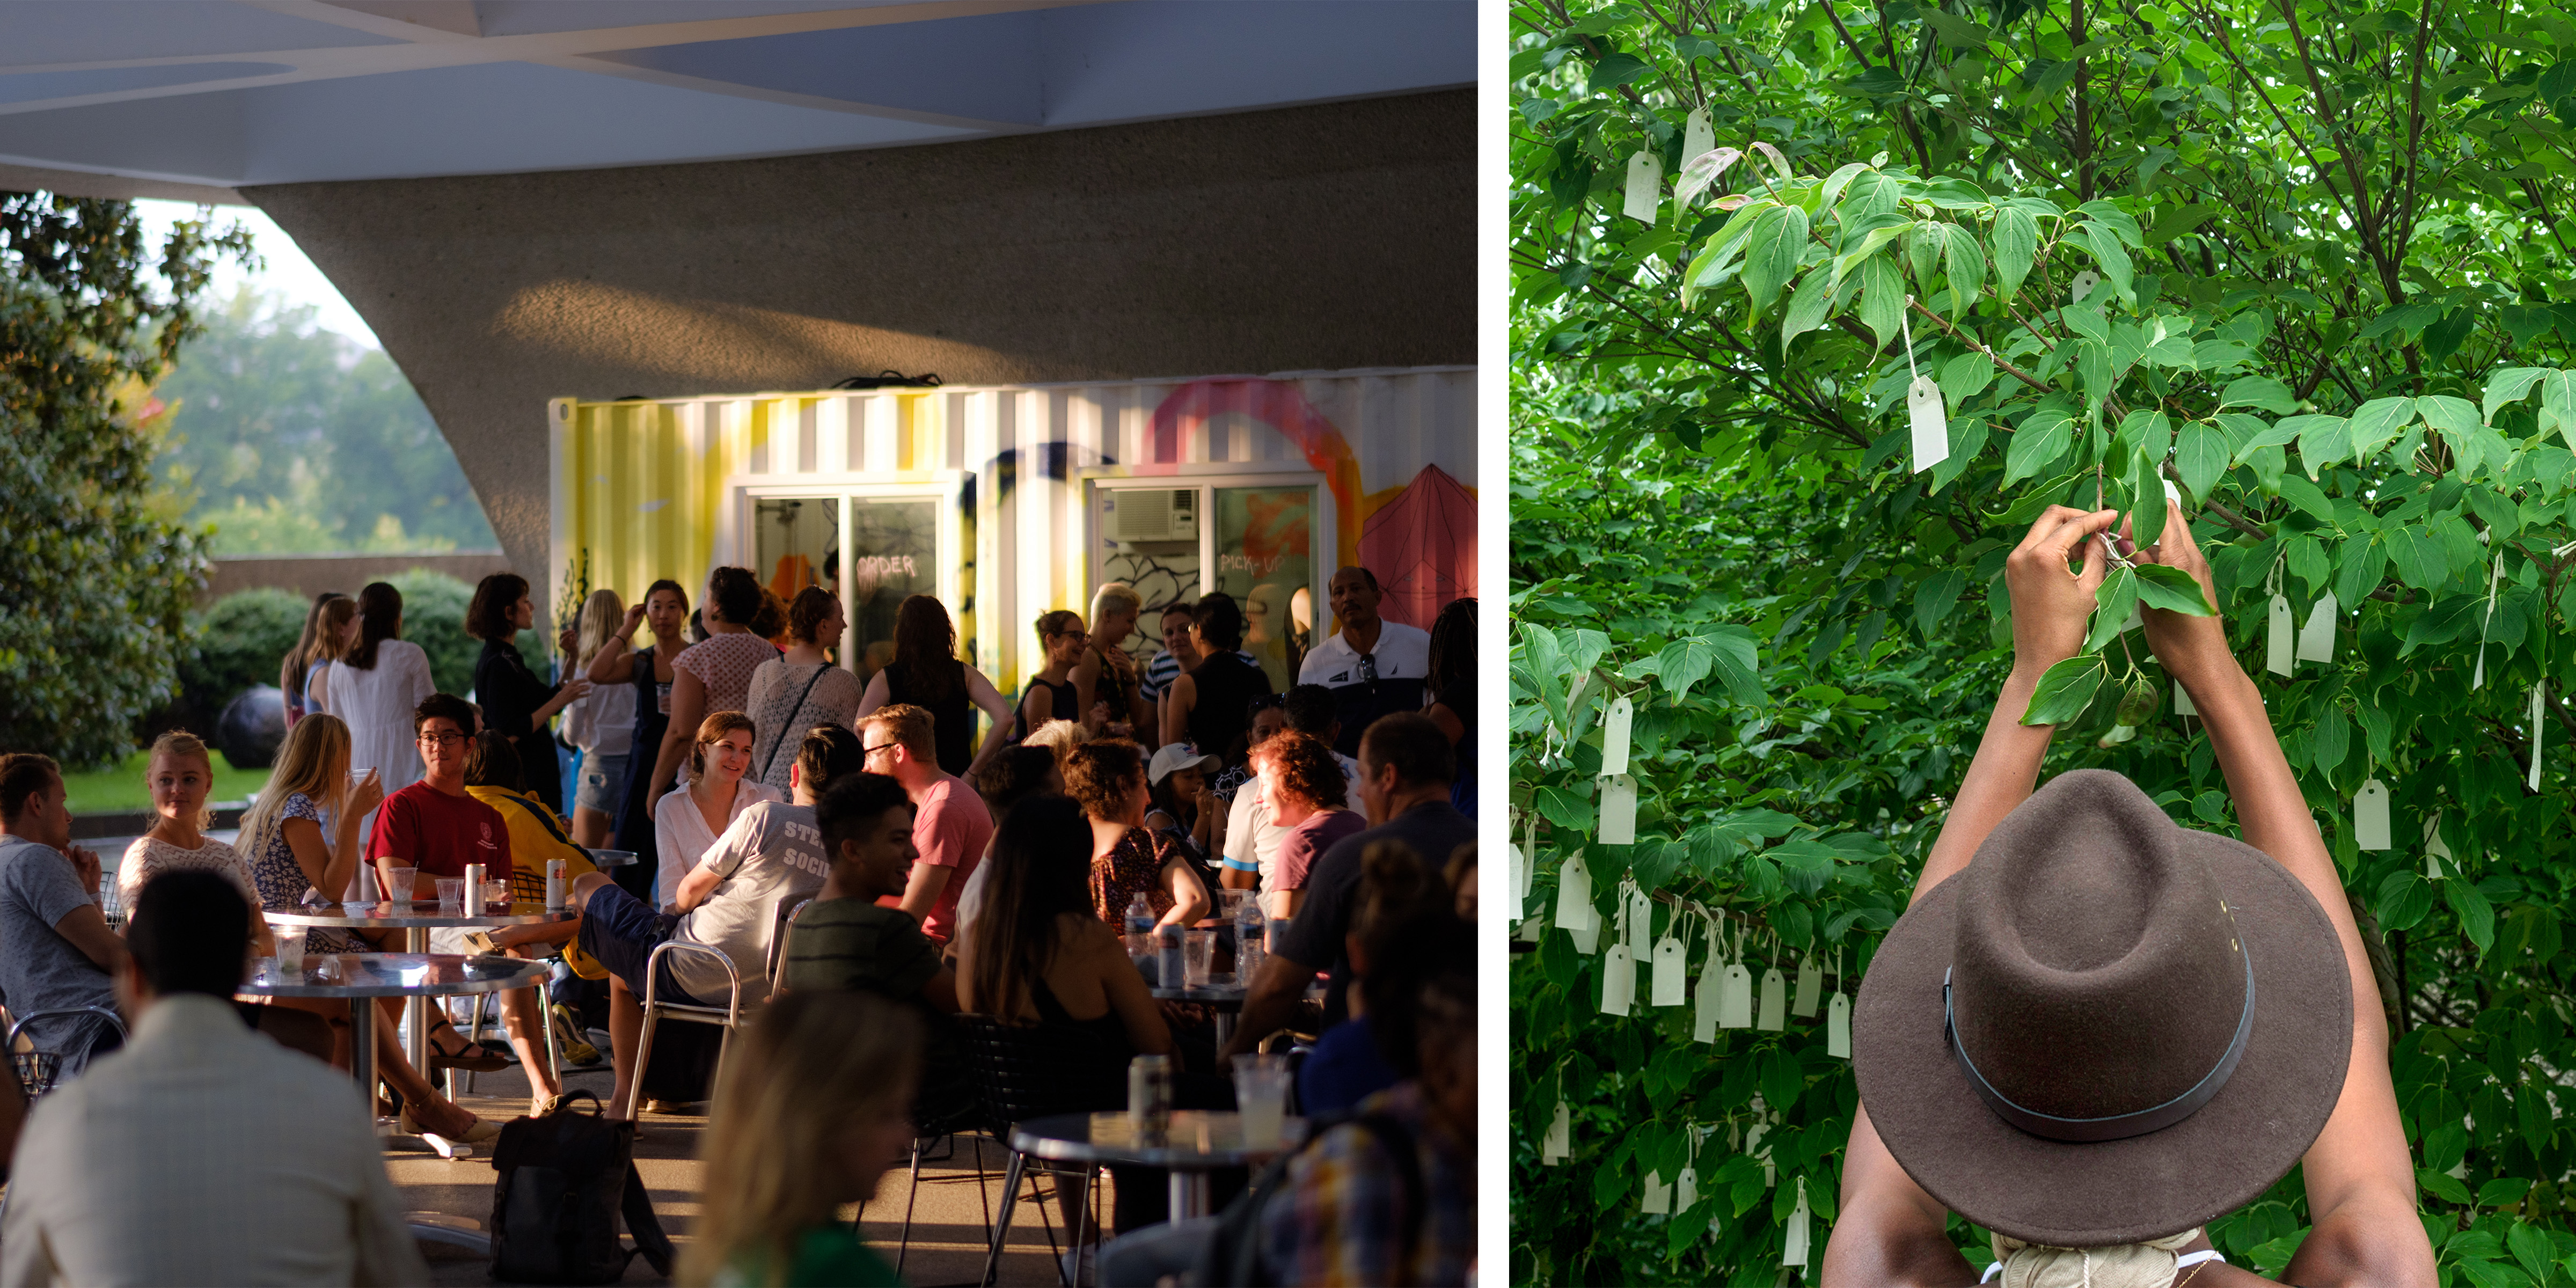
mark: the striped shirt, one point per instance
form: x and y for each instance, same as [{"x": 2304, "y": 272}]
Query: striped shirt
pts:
[{"x": 1159, "y": 673}]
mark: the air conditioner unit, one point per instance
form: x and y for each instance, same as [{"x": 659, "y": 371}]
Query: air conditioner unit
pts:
[{"x": 1156, "y": 514}]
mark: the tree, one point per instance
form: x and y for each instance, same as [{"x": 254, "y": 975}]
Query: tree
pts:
[
  {"x": 100, "y": 573},
  {"x": 288, "y": 438},
  {"x": 2294, "y": 259}
]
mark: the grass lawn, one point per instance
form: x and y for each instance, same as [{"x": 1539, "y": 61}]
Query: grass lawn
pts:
[{"x": 116, "y": 790}]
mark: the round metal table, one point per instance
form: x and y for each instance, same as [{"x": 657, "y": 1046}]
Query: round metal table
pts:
[
  {"x": 1198, "y": 1142},
  {"x": 1225, "y": 999},
  {"x": 363, "y": 977},
  {"x": 416, "y": 919}
]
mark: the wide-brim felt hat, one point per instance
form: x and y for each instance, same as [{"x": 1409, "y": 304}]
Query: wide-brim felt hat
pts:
[{"x": 2107, "y": 1028}]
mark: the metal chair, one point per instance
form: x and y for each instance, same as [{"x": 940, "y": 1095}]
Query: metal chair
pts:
[
  {"x": 37, "y": 1071},
  {"x": 779, "y": 926},
  {"x": 1035, "y": 1071},
  {"x": 728, "y": 1017},
  {"x": 473, "y": 1032}
]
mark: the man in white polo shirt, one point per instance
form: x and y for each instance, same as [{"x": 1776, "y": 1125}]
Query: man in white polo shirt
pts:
[{"x": 1373, "y": 666}]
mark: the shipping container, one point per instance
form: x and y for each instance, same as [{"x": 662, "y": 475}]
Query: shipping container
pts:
[{"x": 1009, "y": 501}]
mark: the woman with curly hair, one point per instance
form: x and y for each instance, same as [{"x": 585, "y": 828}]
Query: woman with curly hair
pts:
[
  {"x": 1302, "y": 786},
  {"x": 1108, "y": 780}
]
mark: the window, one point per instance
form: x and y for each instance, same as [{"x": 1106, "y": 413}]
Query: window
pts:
[
  {"x": 1259, "y": 540},
  {"x": 1265, "y": 559}
]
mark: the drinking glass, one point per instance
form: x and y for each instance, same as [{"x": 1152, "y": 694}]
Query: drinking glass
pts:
[
  {"x": 1261, "y": 1098},
  {"x": 496, "y": 896},
  {"x": 451, "y": 892},
  {"x": 399, "y": 883},
  {"x": 290, "y": 952},
  {"x": 1198, "y": 949}
]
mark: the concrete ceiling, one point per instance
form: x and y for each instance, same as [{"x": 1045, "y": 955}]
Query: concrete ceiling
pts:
[{"x": 194, "y": 98}]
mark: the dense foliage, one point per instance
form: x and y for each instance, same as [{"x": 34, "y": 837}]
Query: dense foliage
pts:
[
  {"x": 290, "y": 439},
  {"x": 100, "y": 571},
  {"x": 2300, "y": 260},
  {"x": 238, "y": 641}
]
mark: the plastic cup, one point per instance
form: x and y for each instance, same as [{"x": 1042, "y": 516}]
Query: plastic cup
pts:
[
  {"x": 1261, "y": 1098},
  {"x": 496, "y": 895},
  {"x": 1198, "y": 950},
  {"x": 290, "y": 952},
  {"x": 451, "y": 892},
  {"x": 399, "y": 883}
]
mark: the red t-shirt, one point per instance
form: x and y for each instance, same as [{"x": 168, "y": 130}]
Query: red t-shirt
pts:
[
  {"x": 950, "y": 828},
  {"x": 439, "y": 834},
  {"x": 1307, "y": 842}
]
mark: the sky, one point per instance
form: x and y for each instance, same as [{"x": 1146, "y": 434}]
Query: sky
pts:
[{"x": 287, "y": 272}]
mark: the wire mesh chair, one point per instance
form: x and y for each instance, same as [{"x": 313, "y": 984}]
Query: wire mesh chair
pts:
[
  {"x": 37, "y": 1071},
  {"x": 1036, "y": 1071},
  {"x": 728, "y": 1017}
]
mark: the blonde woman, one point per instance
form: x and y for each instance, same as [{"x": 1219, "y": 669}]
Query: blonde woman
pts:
[
  {"x": 181, "y": 776},
  {"x": 687, "y": 822},
  {"x": 601, "y": 723},
  {"x": 1058, "y": 736},
  {"x": 293, "y": 855},
  {"x": 1106, "y": 675},
  {"x": 811, "y": 1110}
]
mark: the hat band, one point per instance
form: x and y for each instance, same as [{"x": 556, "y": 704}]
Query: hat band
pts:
[{"x": 2116, "y": 1126}]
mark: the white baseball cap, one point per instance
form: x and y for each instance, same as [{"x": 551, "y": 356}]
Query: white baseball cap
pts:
[{"x": 1175, "y": 756}]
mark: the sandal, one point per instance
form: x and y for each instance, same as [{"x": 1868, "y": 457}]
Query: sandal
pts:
[{"x": 473, "y": 1057}]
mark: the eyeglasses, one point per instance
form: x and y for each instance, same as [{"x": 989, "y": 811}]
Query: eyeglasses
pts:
[
  {"x": 870, "y": 751},
  {"x": 441, "y": 739}
]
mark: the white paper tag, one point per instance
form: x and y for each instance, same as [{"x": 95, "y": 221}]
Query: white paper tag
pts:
[
  {"x": 1753, "y": 1146},
  {"x": 1614, "y": 736},
  {"x": 1618, "y": 810},
  {"x": 2435, "y": 852},
  {"x": 1685, "y": 1189},
  {"x": 1574, "y": 910},
  {"x": 1735, "y": 997},
  {"x": 2277, "y": 656},
  {"x": 1794, "y": 1252},
  {"x": 1775, "y": 1001},
  {"x": 1671, "y": 979},
  {"x": 1531, "y": 929},
  {"x": 1618, "y": 980},
  {"x": 1658, "y": 1196},
  {"x": 2370, "y": 816},
  {"x": 1513, "y": 888},
  {"x": 1645, "y": 186},
  {"x": 1930, "y": 422},
  {"x": 2495, "y": 582},
  {"x": 2539, "y": 699},
  {"x": 1811, "y": 984},
  {"x": 2082, "y": 286},
  {"x": 1641, "y": 920},
  {"x": 1838, "y": 1027},
  {"x": 2316, "y": 639},
  {"x": 2182, "y": 703},
  {"x": 1698, "y": 136},
  {"x": 1712, "y": 983},
  {"x": 1559, "y": 1140}
]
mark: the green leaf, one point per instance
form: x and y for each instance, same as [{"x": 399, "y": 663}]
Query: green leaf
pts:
[
  {"x": 2087, "y": 321},
  {"x": 2558, "y": 403},
  {"x": 2201, "y": 458},
  {"x": 2528, "y": 1244},
  {"x": 2173, "y": 590},
  {"x": 2404, "y": 899},
  {"x": 1735, "y": 663},
  {"x": 2016, "y": 243},
  {"x": 2448, "y": 414},
  {"x": 2109, "y": 253},
  {"x": 2375, "y": 423},
  {"x": 1583, "y": 649},
  {"x": 2261, "y": 392},
  {"x": 1882, "y": 298},
  {"x": 1966, "y": 264},
  {"x": 2323, "y": 440},
  {"x": 1771, "y": 253},
  {"x": 1616, "y": 70},
  {"x": 2111, "y": 605},
  {"x": 1808, "y": 308},
  {"x": 2330, "y": 739},
  {"x": 2065, "y": 690},
  {"x": 1683, "y": 663},
  {"x": 1567, "y": 808},
  {"x": 2308, "y": 497},
  {"x": 1934, "y": 596},
  {"x": 1805, "y": 865},
  {"x": 2364, "y": 563},
  {"x": 2039, "y": 442},
  {"x": 2146, "y": 496},
  {"x": 2438, "y": 1184},
  {"x": 2508, "y": 385},
  {"x": 1966, "y": 376},
  {"x": 2477, "y": 916}
]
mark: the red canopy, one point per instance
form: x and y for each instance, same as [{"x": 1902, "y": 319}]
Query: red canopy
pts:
[{"x": 1422, "y": 546}]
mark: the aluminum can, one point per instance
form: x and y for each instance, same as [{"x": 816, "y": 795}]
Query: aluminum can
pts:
[{"x": 1149, "y": 1094}]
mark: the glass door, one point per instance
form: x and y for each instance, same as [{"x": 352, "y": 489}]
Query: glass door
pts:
[
  {"x": 794, "y": 540},
  {"x": 1265, "y": 549},
  {"x": 1258, "y": 540},
  {"x": 894, "y": 552}
]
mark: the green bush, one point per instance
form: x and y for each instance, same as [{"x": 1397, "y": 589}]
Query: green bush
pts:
[
  {"x": 241, "y": 640},
  {"x": 434, "y": 618}
]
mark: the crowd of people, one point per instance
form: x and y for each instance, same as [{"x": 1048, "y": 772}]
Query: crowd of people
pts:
[{"x": 917, "y": 872}]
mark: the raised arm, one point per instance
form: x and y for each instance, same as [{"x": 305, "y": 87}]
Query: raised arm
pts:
[
  {"x": 2359, "y": 1176},
  {"x": 997, "y": 708}
]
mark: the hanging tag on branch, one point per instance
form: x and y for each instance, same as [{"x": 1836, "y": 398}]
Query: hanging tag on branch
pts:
[
  {"x": 1618, "y": 810},
  {"x": 2280, "y": 642},
  {"x": 2370, "y": 816},
  {"x": 1775, "y": 1001},
  {"x": 1645, "y": 186},
  {"x": 2182, "y": 702},
  {"x": 1574, "y": 911},
  {"x": 1753, "y": 1146},
  {"x": 2316, "y": 639},
  {"x": 1698, "y": 137},
  {"x": 1658, "y": 1198},
  {"x": 1927, "y": 419},
  {"x": 1618, "y": 980},
  {"x": 2435, "y": 852},
  {"x": 1670, "y": 980},
  {"x": 1686, "y": 1187},
  {"x": 1735, "y": 992},
  {"x": 1794, "y": 1252},
  {"x": 1559, "y": 1140},
  {"x": 1811, "y": 984},
  {"x": 1512, "y": 856},
  {"x": 2495, "y": 582},
  {"x": 2082, "y": 286},
  {"x": 1712, "y": 979},
  {"x": 1641, "y": 921},
  {"x": 1838, "y": 1013},
  {"x": 2539, "y": 699},
  {"x": 1614, "y": 736}
]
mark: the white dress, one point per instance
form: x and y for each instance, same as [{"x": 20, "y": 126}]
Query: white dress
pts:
[
  {"x": 377, "y": 704},
  {"x": 680, "y": 833}
]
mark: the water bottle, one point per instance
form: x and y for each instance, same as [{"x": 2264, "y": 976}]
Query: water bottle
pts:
[
  {"x": 1248, "y": 936},
  {"x": 1172, "y": 974},
  {"x": 1140, "y": 928}
]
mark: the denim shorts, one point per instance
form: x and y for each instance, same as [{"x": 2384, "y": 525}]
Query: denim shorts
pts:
[{"x": 603, "y": 784}]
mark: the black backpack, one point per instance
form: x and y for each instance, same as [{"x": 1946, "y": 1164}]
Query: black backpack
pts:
[
  {"x": 564, "y": 1180},
  {"x": 1232, "y": 1254}
]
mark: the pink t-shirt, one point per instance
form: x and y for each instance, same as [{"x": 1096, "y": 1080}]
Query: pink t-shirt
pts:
[
  {"x": 724, "y": 663},
  {"x": 1307, "y": 842},
  {"x": 950, "y": 827}
]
